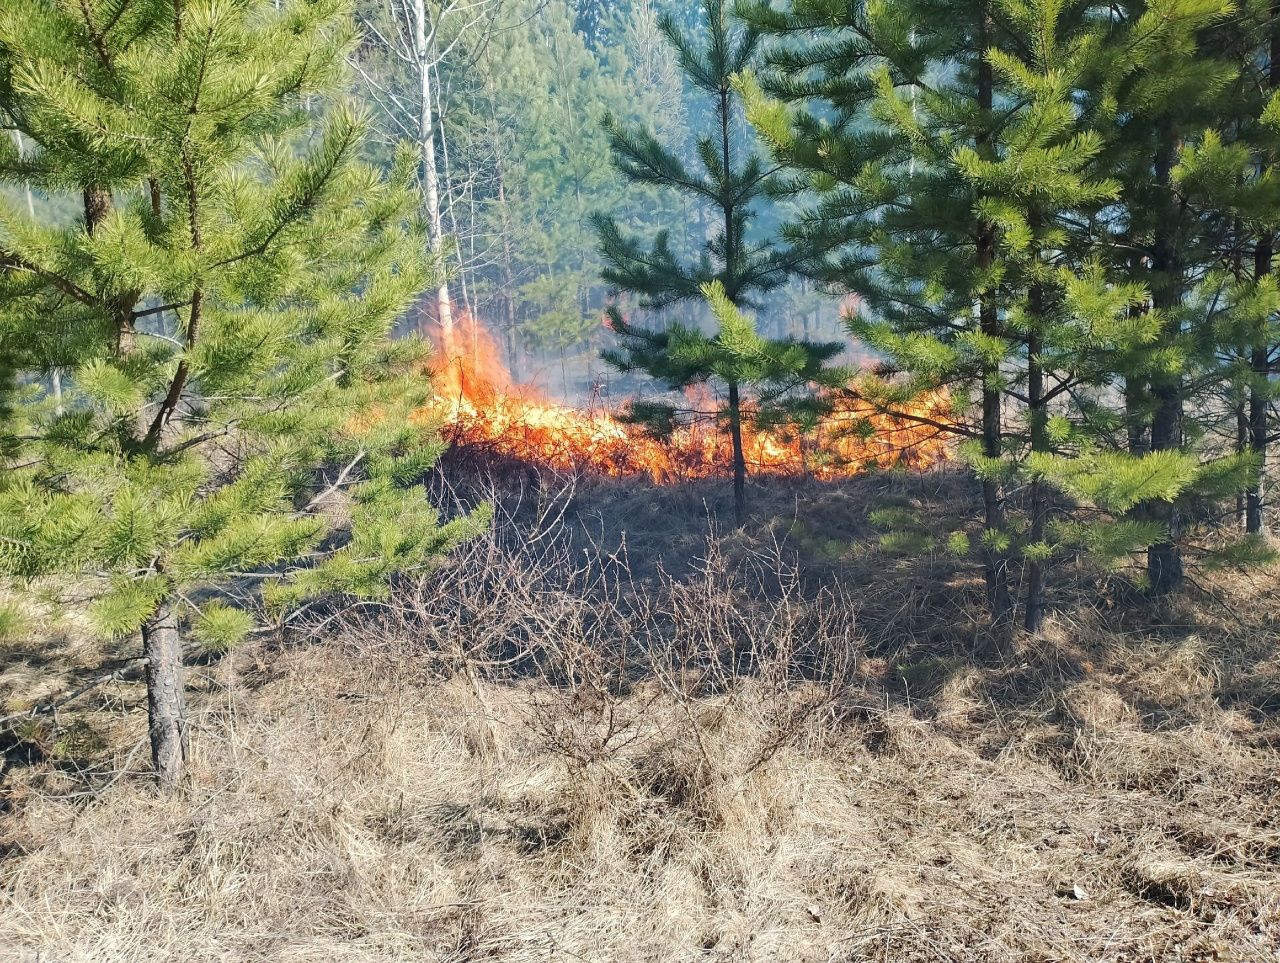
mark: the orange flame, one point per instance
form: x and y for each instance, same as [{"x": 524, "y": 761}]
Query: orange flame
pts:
[{"x": 481, "y": 407}]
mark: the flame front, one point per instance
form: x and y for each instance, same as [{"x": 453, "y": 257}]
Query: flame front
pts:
[{"x": 481, "y": 407}]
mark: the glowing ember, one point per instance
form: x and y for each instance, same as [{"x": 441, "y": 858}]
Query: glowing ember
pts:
[{"x": 481, "y": 407}]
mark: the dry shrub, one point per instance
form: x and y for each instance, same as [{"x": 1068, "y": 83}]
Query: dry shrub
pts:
[{"x": 536, "y": 754}]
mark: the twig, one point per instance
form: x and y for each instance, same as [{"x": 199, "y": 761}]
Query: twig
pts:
[{"x": 126, "y": 672}]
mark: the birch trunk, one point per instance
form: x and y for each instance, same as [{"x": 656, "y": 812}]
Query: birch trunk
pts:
[{"x": 424, "y": 37}]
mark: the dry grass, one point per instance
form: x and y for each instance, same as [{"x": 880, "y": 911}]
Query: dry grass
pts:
[{"x": 546, "y": 754}]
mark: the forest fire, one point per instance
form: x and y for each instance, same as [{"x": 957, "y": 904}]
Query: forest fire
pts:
[{"x": 482, "y": 409}]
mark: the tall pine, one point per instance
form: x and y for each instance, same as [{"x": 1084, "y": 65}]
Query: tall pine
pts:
[
  {"x": 734, "y": 267},
  {"x": 884, "y": 97},
  {"x": 1169, "y": 242},
  {"x": 220, "y": 305},
  {"x": 971, "y": 174},
  {"x": 1232, "y": 172}
]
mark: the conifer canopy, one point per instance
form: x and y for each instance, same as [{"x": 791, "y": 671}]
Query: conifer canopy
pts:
[{"x": 200, "y": 388}]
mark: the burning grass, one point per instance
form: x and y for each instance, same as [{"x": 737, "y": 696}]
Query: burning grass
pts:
[
  {"x": 784, "y": 752},
  {"x": 482, "y": 409}
]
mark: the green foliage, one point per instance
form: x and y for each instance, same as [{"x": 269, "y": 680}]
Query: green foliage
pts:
[
  {"x": 14, "y": 622},
  {"x": 1246, "y": 552},
  {"x": 220, "y": 627},
  {"x": 905, "y": 532},
  {"x": 728, "y": 180},
  {"x": 125, "y": 603},
  {"x": 906, "y": 542},
  {"x": 1034, "y": 204},
  {"x": 1117, "y": 481},
  {"x": 559, "y": 322},
  {"x": 958, "y": 544},
  {"x": 1110, "y": 542},
  {"x": 219, "y": 312}
]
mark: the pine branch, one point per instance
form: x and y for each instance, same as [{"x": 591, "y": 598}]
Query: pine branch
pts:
[{"x": 13, "y": 261}]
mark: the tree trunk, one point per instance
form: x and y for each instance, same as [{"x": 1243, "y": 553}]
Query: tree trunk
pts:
[
  {"x": 1164, "y": 558},
  {"x": 1242, "y": 446},
  {"x": 1136, "y": 418},
  {"x": 449, "y": 190},
  {"x": 1259, "y": 363},
  {"x": 1260, "y": 356},
  {"x": 166, "y": 697},
  {"x": 430, "y": 177},
  {"x": 510, "y": 319},
  {"x": 1242, "y": 356},
  {"x": 731, "y": 292},
  {"x": 996, "y": 560},
  {"x": 1137, "y": 426},
  {"x": 98, "y": 204},
  {"x": 1033, "y": 617},
  {"x": 1138, "y": 429},
  {"x": 739, "y": 456}
]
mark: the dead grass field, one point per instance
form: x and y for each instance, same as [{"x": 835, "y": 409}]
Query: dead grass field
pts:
[{"x": 775, "y": 745}]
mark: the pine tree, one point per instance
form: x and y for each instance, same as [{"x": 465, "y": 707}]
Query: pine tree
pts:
[
  {"x": 221, "y": 306},
  {"x": 1064, "y": 315},
  {"x": 900, "y": 88},
  {"x": 773, "y": 380},
  {"x": 1171, "y": 98},
  {"x": 733, "y": 268},
  {"x": 969, "y": 176},
  {"x": 1264, "y": 340},
  {"x": 1232, "y": 171},
  {"x": 1163, "y": 108}
]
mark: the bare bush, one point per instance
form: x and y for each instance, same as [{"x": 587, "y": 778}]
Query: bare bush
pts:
[
  {"x": 599, "y": 649},
  {"x": 526, "y": 599}
]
